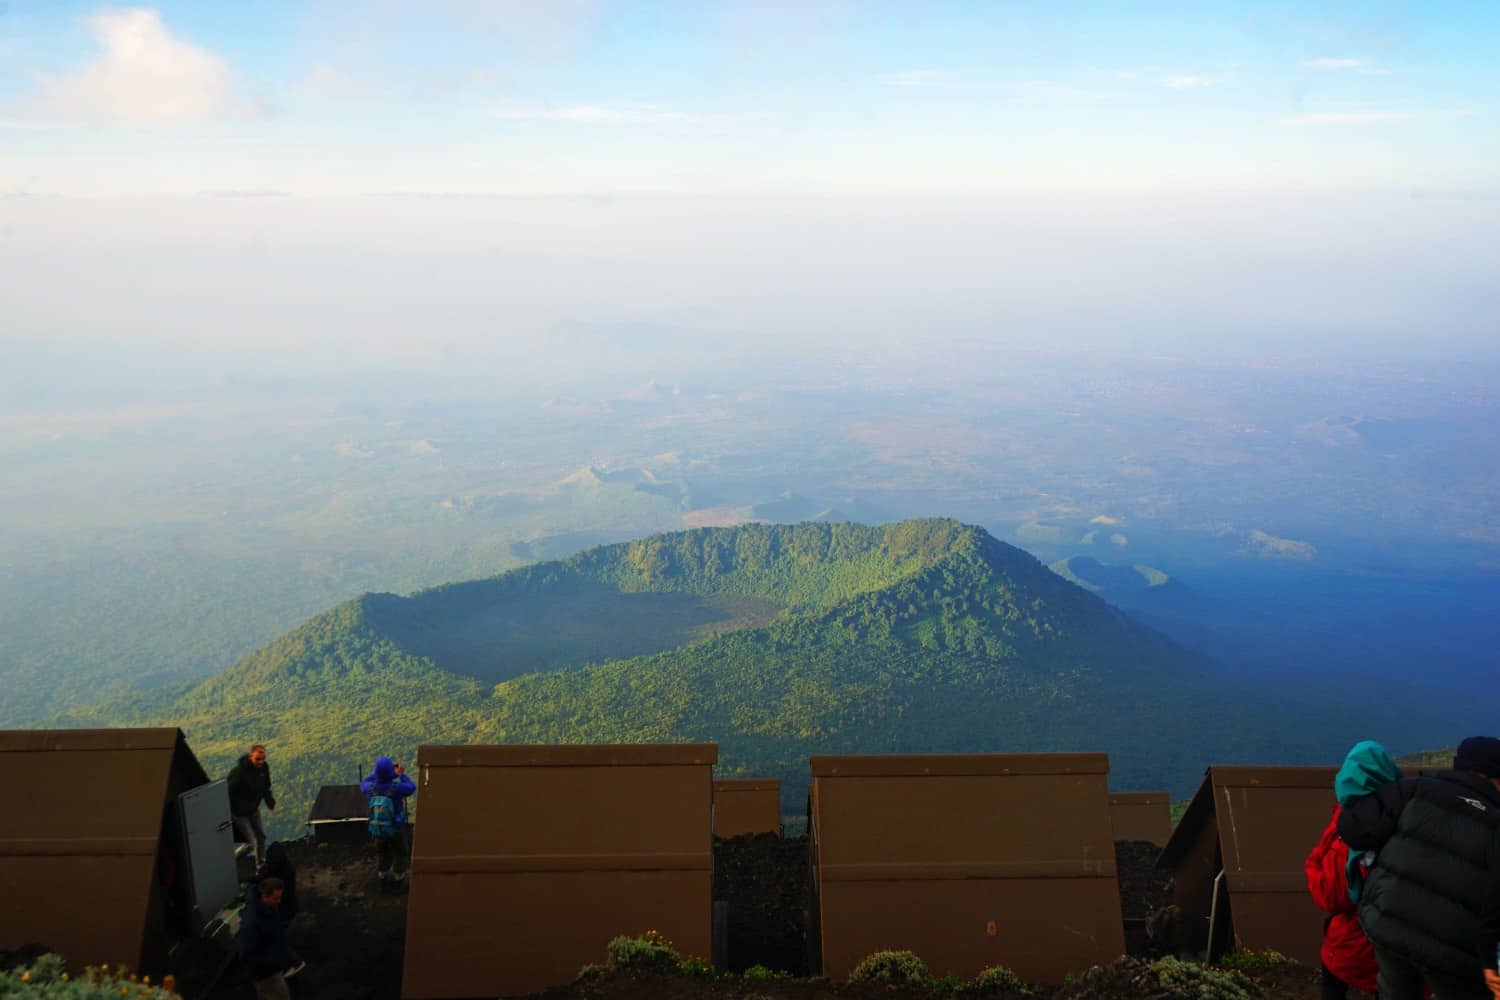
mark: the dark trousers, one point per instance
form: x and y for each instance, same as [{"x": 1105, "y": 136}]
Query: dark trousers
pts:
[
  {"x": 1401, "y": 980},
  {"x": 393, "y": 851},
  {"x": 253, "y": 834},
  {"x": 1334, "y": 988}
]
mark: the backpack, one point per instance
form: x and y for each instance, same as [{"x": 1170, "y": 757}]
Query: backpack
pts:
[{"x": 382, "y": 815}]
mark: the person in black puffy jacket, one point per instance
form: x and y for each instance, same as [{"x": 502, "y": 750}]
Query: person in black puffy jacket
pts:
[{"x": 1431, "y": 903}]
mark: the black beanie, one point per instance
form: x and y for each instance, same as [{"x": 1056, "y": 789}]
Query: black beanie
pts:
[{"x": 1480, "y": 754}]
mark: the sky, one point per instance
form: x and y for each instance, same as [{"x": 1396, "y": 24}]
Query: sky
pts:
[{"x": 1152, "y": 173}]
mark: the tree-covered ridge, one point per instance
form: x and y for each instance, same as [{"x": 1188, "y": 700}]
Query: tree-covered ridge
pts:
[
  {"x": 797, "y": 565},
  {"x": 919, "y": 636}
]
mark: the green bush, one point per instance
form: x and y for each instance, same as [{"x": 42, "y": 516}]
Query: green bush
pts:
[
  {"x": 892, "y": 968},
  {"x": 998, "y": 978},
  {"x": 47, "y": 977},
  {"x": 590, "y": 971},
  {"x": 648, "y": 951},
  {"x": 1200, "y": 982},
  {"x": 697, "y": 968},
  {"x": 947, "y": 986},
  {"x": 762, "y": 972},
  {"x": 1255, "y": 961}
]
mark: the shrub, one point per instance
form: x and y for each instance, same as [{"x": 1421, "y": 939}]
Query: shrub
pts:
[
  {"x": 762, "y": 972},
  {"x": 947, "y": 986},
  {"x": 649, "y": 951},
  {"x": 697, "y": 968},
  {"x": 47, "y": 977},
  {"x": 892, "y": 968},
  {"x": 590, "y": 971},
  {"x": 999, "y": 979},
  {"x": 1200, "y": 982},
  {"x": 1255, "y": 961}
]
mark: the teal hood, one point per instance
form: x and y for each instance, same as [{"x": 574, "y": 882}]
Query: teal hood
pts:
[{"x": 1366, "y": 767}]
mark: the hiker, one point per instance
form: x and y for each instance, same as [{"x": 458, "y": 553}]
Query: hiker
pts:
[
  {"x": 263, "y": 946},
  {"x": 249, "y": 785},
  {"x": 1335, "y": 877},
  {"x": 279, "y": 866},
  {"x": 1431, "y": 902},
  {"x": 388, "y": 789}
]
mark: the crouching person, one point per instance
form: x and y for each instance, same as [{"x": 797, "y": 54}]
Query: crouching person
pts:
[
  {"x": 388, "y": 788},
  {"x": 263, "y": 946}
]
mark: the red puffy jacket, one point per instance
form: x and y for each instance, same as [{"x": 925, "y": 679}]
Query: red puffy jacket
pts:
[{"x": 1347, "y": 953}]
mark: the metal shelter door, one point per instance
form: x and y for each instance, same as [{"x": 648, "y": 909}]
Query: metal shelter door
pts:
[{"x": 208, "y": 832}]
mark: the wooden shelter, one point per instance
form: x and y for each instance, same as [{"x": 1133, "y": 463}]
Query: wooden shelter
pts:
[
  {"x": 530, "y": 859},
  {"x": 339, "y": 815},
  {"x": 968, "y": 860},
  {"x": 1142, "y": 816},
  {"x": 747, "y": 805},
  {"x": 117, "y": 845},
  {"x": 1236, "y": 861}
]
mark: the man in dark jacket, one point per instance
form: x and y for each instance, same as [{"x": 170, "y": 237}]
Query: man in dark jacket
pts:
[
  {"x": 392, "y": 844},
  {"x": 1431, "y": 903},
  {"x": 249, "y": 786},
  {"x": 264, "y": 951}
]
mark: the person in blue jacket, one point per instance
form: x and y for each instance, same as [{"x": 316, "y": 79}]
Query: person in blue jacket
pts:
[{"x": 388, "y": 788}]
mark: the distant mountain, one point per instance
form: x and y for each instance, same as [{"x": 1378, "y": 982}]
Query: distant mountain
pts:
[{"x": 776, "y": 641}]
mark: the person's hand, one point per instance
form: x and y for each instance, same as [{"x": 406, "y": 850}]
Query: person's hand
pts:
[
  {"x": 400, "y": 769},
  {"x": 1492, "y": 980}
]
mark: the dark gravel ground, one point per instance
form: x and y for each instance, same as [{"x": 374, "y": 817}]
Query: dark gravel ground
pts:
[
  {"x": 765, "y": 881},
  {"x": 1143, "y": 890}
]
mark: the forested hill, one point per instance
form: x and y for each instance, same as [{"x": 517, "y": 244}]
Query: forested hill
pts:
[{"x": 774, "y": 641}]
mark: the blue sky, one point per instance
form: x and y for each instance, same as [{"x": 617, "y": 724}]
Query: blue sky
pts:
[{"x": 697, "y": 98}]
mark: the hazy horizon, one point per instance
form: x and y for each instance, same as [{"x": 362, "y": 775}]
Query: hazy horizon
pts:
[{"x": 466, "y": 186}]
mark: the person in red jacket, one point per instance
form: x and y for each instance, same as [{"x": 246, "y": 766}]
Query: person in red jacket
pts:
[{"x": 1348, "y": 957}]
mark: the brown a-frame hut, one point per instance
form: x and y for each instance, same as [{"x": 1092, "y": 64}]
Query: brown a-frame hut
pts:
[
  {"x": 1236, "y": 861},
  {"x": 92, "y": 862}
]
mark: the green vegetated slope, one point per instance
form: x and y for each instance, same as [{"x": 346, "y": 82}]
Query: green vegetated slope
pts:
[
  {"x": 774, "y": 641},
  {"x": 1428, "y": 759}
]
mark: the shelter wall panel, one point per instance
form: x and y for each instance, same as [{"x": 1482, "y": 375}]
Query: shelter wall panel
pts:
[
  {"x": 73, "y": 905},
  {"x": 125, "y": 793},
  {"x": 1284, "y": 922},
  {"x": 516, "y": 933},
  {"x": 742, "y": 807},
  {"x": 1193, "y": 883},
  {"x": 1043, "y": 927},
  {"x": 472, "y": 811},
  {"x": 1143, "y": 816},
  {"x": 870, "y": 820},
  {"x": 1269, "y": 827}
]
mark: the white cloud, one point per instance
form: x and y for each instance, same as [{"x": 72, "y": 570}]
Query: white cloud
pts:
[
  {"x": 1361, "y": 117},
  {"x": 591, "y": 114},
  {"x": 144, "y": 74},
  {"x": 1185, "y": 81},
  {"x": 925, "y": 78},
  {"x": 1332, "y": 64},
  {"x": 1329, "y": 63}
]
